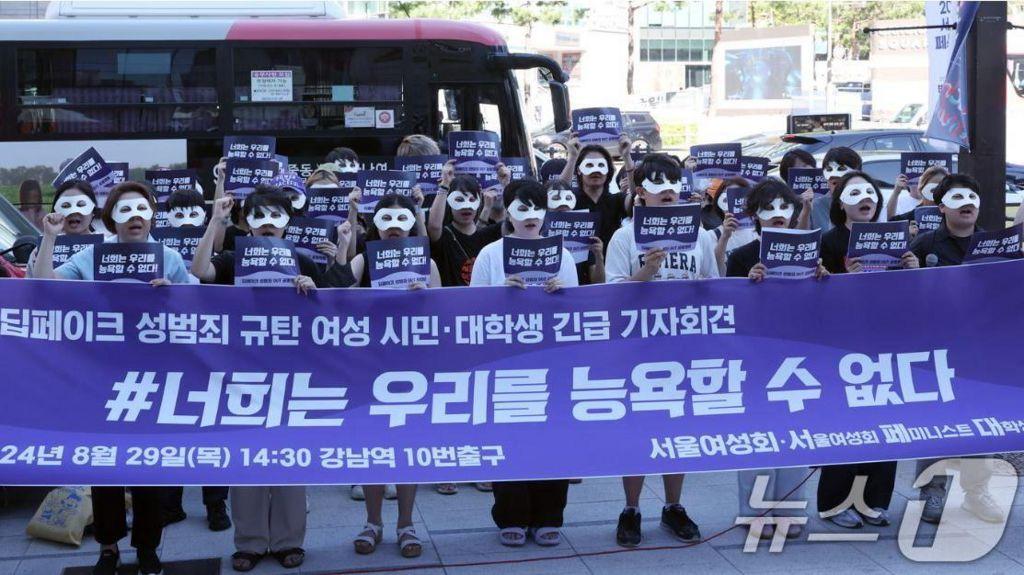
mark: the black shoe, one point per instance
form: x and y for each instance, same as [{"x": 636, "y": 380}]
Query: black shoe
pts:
[
  {"x": 149, "y": 563},
  {"x": 217, "y": 517},
  {"x": 172, "y": 516},
  {"x": 676, "y": 520},
  {"x": 628, "y": 533},
  {"x": 108, "y": 563}
]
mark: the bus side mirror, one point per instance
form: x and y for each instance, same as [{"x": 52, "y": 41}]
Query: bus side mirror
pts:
[{"x": 560, "y": 106}]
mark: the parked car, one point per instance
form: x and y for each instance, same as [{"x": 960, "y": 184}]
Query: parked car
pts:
[
  {"x": 641, "y": 127},
  {"x": 15, "y": 229},
  {"x": 887, "y": 140}
]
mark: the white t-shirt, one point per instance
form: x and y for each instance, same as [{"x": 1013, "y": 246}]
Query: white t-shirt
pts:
[
  {"x": 738, "y": 239},
  {"x": 489, "y": 267},
  {"x": 624, "y": 258}
]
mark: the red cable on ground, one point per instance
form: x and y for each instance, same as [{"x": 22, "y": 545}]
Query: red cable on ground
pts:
[{"x": 570, "y": 556}]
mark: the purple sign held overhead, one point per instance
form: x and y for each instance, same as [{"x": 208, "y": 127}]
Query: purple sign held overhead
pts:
[
  {"x": 518, "y": 168},
  {"x": 398, "y": 263},
  {"x": 671, "y": 228},
  {"x": 184, "y": 240},
  {"x": 119, "y": 171},
  {"x": 128, "y": 262},
  {"x": 166, "y": 182},
  {"x": 928, "y": 218},
  {"x": 428, "y": 170},
  {"x": 475, "y": 153},
  {"x": 736, "y": 202},
  {"x": 802, "y": 179},
  {"x": 242, "y": 176},
  {"x": 328, "y": 203},
  {"x": 790, "y": 254},
  {"x": 265, "y": 262},
  {"x": 879, "y": 245},
  {"x": 375, "y": 184},
  {"x": 914, "y": 164},
  {"x": 534, "y": 261},
  {"x": 67, "y": 245},
  {"x": 88, "y": 166},
  {"x": 601, "y": 126},
  {"x": 309, "y": 232},
  {"x": 576, "y": 229},
  {"x": 716, "y": 160},
  {"x": 995, "y": 246},
  {"x": 754, "y": 168},
  {"x": 251, "y": 148}
]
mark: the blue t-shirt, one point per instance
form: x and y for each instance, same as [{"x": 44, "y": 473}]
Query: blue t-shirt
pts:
[{"x": 80, "y": 265}]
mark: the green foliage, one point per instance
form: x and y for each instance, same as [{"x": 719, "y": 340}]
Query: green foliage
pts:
[{"x": 519, "y": 13}]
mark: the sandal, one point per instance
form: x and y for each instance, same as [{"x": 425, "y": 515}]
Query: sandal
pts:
[
  {"x": 447, "y": 488},
  {"x": 409, "y": 543},
  {"x": 290, "y": 558},
  {"x": 486, "y": 487},
  {"x": 512, "y": 536},
  {"x": 244, "y": 561},
  {"x": 547, "y": 536},
  {"x": 367, "y": 540}
]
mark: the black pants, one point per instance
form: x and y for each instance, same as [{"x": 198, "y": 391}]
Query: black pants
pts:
[
  {"x": 108, "y": 512},
  {"x": 171, "y": 499},
  {"x": 529, "y": 503},
  {"x": 836, "y": 481}
]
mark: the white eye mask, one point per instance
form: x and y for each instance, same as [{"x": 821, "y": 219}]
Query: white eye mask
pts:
[
  {"x": 834, "y": 170},
  {"x": 77, "y": 204},
  {"x": 665, "y": 186},
  {"x": 267, "y": 216},
  {"x": 298, "y": 200},
  {"x": 522, "y": 215},
  {"x": 928, "y": 191},
  {"x": 559, "y": 198},
  {"x": 125, "y": 210},
  {"x": 957, "y": 198},
  {"x": 776, "y": 211},
  {"x": 722, "y": 201},
  {"x": 854, "y": 194},
  {"x": 387, "y": 218},
  {"x": 460, "y": 201},
  {"x": 588, "y": 167},
  {"x": 193, "y": 216}
]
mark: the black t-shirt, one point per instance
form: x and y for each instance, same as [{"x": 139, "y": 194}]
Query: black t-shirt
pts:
[
  {"x": 455, "y": 252},
  {"x": 834, "y": 244},
  {"x": 224, "y": 264},
  {"x": 742, "y": 259},
  {"x": 611, "y": 210},
  {"x": 949, "y": 250},
  {"x": 230, "y": 234},
  {"x": 709, "y": 217}
]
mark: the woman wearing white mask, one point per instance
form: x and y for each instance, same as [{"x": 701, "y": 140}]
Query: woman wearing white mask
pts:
[
  {"x": 922, "y": 195},
  {"x": 76, "y": 202},
  {"x": 561, "y": 198},
  {"x": 591, "y": 168},
  {"x": 456, "y": 236},
  {"x": 836, "y": 164},
  {"x": 730, "y": 234}
]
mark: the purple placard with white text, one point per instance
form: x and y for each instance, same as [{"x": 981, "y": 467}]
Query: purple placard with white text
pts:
[
  {"x": 790, "y": 254},
  {"x": 736, "y": 202},
  {"x": 576, "y": 229},
  {"x": 309, "y": 232},
  {"x": 716, "y": 160},
  {"x": 475, "y": 153},
  {"x": 995, "y": 246},
  {"x": 928, "y": 218},
  {"x": 140, "y": 262},
  {"x": 184, "y": 240},
  {"x": 879, "y": 245},
  {"x": 67, "y": 245},
  {"x": 801, "y": 179},
  {"x": 251, "y": 148},
  {"x": 754, "y": 168},
  {"x": 242, "y": 176},
  {"x": 375, "y": 184},
  {"x": 398, "y": 263},
  {"x": 534, "y": 261},
  {"x": 265, "y": 262},
  {"x": 601, "y": 126},
  {"x": 427, "y": 169},
  {"x": 914, "y": 164},
  {"x": 330, "y": 203},
  {"x": 671, "y": 228}
]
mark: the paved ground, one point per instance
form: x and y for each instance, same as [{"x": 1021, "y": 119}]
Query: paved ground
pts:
[{"x": 460, "y": 539}]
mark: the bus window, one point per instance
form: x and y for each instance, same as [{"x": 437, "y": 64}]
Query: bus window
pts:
[
  {"x": 473, "y": 107},
  {"x": 449, "y": 111},
  {"x": 116, "y": 90},
  {"x": 316, "y": 88}
]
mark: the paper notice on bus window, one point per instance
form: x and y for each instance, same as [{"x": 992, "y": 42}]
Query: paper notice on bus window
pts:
[
  {"x": 360, "y": 117},
  {"x": 270, "y": 85},
  {"x": 342, "y": 93}
]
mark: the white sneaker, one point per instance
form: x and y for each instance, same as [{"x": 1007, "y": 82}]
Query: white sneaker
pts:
[
  {"x": 981, "y": 505},
  {"x": 390, "y": 492},
  {"x": 357, "y": 493}
]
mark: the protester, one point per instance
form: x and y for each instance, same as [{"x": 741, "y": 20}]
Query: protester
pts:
[
  {"x": 796, "y": 159},
  {"x": 417, "y": 145},
  {"x": 525, "y": 507},
  {"x": 456, "y": 237},
  {"x": 394, "y": 217},
  {"x": 591, "y": 168},
  {"x": 729, "y": 234},
  {"x": 836, "y": 163},
  {"x": 342, "y": 160},
  {"x": 923, "y": 193},
  {"x": 76, "y": 202},
  {"x": 561, "y": 198},
  {"x": 186, "y": 208},
  {"x": 660, "y": 178},
  {"x": 294, "y": 187}
]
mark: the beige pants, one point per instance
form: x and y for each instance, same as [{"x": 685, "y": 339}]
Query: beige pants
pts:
[
  {"x": 268, "y": 518},
  {"x": 975, "y": 473}
]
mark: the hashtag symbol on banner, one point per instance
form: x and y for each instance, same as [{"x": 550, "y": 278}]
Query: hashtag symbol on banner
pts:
[{"x": 132, "y": 396}]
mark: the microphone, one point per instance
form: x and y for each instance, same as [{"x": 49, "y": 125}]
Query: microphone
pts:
[{"x": 931, "y": 260}]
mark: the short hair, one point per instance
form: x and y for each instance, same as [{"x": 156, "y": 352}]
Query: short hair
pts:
[
  {"x": 417, "y": 145},
  {"x": 955, "y": 181},
  {"x": 465, "y": 183},
  {"x": 185, "y": 198},
  {"x": 115, "y": 194},
  {"x": 267, "y": 196},
  {"x": 80, "y": 185},
  {"x": 552, "y": 168},
  {"x": 341, "y": 153},
  {"x": 931, "y": 173},
  {"x": 392, "y": 201},
  {"x": 790, "y": 159},
  {"x": 557, "y": 184},
  {"x": 837, "y": 214},
  {"x": 843, "y": 156},
  {"x": 662, "y": 164},
  {"x": 526, "y": 190},
  {"x": 764, "y": 193}
]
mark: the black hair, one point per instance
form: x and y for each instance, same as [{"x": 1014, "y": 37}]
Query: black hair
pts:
[
  {"x": 552, "y": 168},
  {"x": 654, "y": 166},
  {"x": 391, "y": 201},
  {"x": 844, "y": 157},
  {"x": 557, "y": 184},
  {"x": 955, "y": 181},
  {"x": 341, "y": 153},
  {"x": 723, "y": 187},
  {"x": 837, "y": 214},
  {"x": 185, "y": 198},
  {"x": 790, "y": 159},
  {"x": 607, "y": 158},
  {"x": 267, "y": 196},
  {"x": 468, "y": 185},
  {"x": 80, "y": 185},
  {"x": 526, "y": 190},
  {"x": 764, "y": 193}
]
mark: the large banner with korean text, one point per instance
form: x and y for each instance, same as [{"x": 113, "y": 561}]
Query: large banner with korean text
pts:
[{"x": 126, "y": 384}]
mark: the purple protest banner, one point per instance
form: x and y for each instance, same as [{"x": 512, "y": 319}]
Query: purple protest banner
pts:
[
  {"x": 518, "y": 168},
  {"x": 375, "y": 184},
  {"x": 671, "y": 228},
  {"x": 251, "y": 148},
  {"x": 928, "y": 218},
  {"x": 88, "y": 166},
  {"x": 329, "y": 203},
  {"x": 475, "y": 153},
  {"x": 534, "y": 261},
  {"x": 165, "y": 182},
  {"x": 262, "y": 390},
  {"x": 119, "y": 171},
  {"x": 265, "y": 262},
  {"x": 601, "y": 126},
  {"x": 790, "y": 254},
  {"x": 995, "y": 246},
  {"x": 879, "y": 245},
  {"x": 802, "y": 179},
  {"x": 427, "y": 169},
  {"x": 913, "y": 164},
  {"x": 687, "y": 188},
  {"x": 128, "y": 262},
  {"x": 716, "y": 160},
  {"x": 184, "y": 240},
  {"x": 398, "y": 263},
  {"x": 736, "y": 202},
  {"x": 754, "y": 168},
  {"x": 67, "y": 245},
  {"x": 242, "y": 176},
  {"x": 309, "y": 232},
  {"x": 576, "y": 230}
]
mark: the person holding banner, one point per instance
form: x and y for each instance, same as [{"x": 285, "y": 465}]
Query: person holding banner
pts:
[
  {"x": 76, "y": 202},
  {"x": 395, "y": 217},
  {"x": 660, "y": 177},
  {"x": 799, "y": 159},
  {"x": 562, "y": 199},
  {"x": 923, "y": 193},
  {"x": 591, "y": 167},
  {"x": 836, "y": 163}
]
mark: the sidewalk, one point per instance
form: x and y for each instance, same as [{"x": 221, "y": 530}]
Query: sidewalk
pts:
[{"x": 458, "y": 535}]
